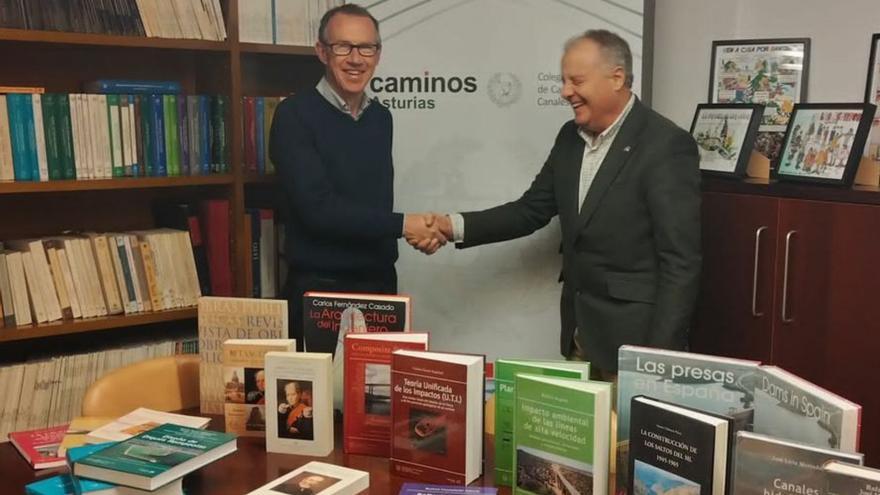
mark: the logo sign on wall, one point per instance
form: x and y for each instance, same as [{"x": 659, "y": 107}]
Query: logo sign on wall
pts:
[{"x": 474, "y": 87}]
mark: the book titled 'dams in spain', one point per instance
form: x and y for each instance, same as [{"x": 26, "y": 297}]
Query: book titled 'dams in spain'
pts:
[
  {"x": 328, "y": 316},
  {"x": 224, "y": 318},
  {"x": 437, "y": 416}
]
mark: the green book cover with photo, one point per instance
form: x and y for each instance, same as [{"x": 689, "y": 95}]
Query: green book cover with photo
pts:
[
  {"x": 505, "y": 375},
  {"x": 561, "y": 435}
]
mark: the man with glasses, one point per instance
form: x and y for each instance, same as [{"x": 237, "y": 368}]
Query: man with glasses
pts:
[{"x": 332, "y": 149}]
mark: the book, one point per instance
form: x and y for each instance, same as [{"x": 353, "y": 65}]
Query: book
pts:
[
  {"x": 769, "y": 465},
  {"x": 421, "y": 489},
  {"x": 40, "y": 447},
  {"x": 318, "y": 478},
  {"x": 300, "y": 403},
  {"x": 129, "y": 86},
  {"x": 78, "y": 431},
  {"x": 677, "y": 449},
  {"x": 561, "y": 435},
  {"x": 223, "y": 318},
  {"x": 141, "y": 420},
  {"x": 156, "y": 457},
  {"x": 437, "y": 416},
  {"x": 327, "y": 315},
  {"x": 790, "y": 407},
  {"x": 367, "y": 389},
  {"x": 505, "y": 386},
  {"x": 847, "y": 479},
  {"x": 710, "y": 383},
  {"x": 244, "y": 379}
]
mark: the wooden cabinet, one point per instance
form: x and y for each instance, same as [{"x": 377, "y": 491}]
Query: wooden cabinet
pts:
[{"x": 794, "y": 281}]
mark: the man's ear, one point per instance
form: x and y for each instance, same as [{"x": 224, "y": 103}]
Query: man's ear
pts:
[{"x": 319, "y": 51}]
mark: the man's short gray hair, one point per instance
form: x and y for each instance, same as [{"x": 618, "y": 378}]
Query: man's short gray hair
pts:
[{"x": 614, "y": 48}]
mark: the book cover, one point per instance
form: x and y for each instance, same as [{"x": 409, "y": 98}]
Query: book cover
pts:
[
  {"x": 675, "y": 449},
  {"x": 300, "y": 403},
  {"x": 66, "y": 484},
  {"x": 710, "y": 383},
  {"x": 437, "y": 416},
  {"x": 40, "y": 447},
  {"x": 223, "y": 318},
  {"x": 156, "y": 457},
  {"x": 561, "y": 435},
  {"x": 244, "y": 378},
  {"x": 78, "y": 431},
  {"x": 318, "y": 478},
  {"x": 328, "y": 316},
  {"x": 422, "y": 489},
  {"x": 766, "y": 465},
  {"x": 367, "y": 389},
  {"x": 792, "y": 408},
  {"x": 141, "y": 420},
  {"x": 847, "y": 479},
  {"x": 505, "y": 385}
]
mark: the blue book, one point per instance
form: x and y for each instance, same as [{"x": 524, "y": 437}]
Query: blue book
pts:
[
  {"x": 259, "y": 116},
  {"x": 129, "y": 86},
  {"x": 157, "y": 133},
  {"x": 17, "y": 106},
  {"x": 205, "y": 133}
]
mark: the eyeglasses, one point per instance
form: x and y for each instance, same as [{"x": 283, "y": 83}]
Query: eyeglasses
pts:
[{"x": 343, "y": 49}]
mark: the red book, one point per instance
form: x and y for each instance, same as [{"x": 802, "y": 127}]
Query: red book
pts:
[
  {"x": 367, "y": 390},
  {"x": 437, "y": 416},
  {"x": 40, "y": 447},
  {"x": 250, "y": 133},
  {"x": 215, "y": 220}
]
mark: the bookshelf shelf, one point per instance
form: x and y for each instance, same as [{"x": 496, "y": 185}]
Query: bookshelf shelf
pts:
[
  {"x": 67, "y": 38},
  {"x": 93, "y": 324},
  {"x": 277, "y": 49},
  {"x": 114, "y": 184}
]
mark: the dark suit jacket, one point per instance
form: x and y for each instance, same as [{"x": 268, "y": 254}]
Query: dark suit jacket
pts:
[{"x": 631, "y": 256}]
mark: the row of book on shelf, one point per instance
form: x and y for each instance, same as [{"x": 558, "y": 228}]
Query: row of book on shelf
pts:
[
  {"x": 55, "y": 136},
  {"x": 282, "y": 22},
  {"x": 189, "y": 19}
]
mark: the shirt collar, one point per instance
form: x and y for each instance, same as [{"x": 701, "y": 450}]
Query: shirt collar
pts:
[
  {"x": 333, "y": 97},
  {"x": 594, "y": 140}
]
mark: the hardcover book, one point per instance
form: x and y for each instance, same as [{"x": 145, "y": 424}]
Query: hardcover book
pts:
[
  {"x": 367, "y": 391},
  {"x": 317, "y": 478},
  {"x": 505, "y": 381},
  {"x": 848, "y": 479},
  {"x": 224, "y": 318},
  {"x": 561, "y": 435},
  {"x": 437, "y": 416},
  {"x": 244, "y": 378},
  {"x": 771, "y": 466},
  {"x": 300, "y": 403},
  {"x": 676, "y": 449}
]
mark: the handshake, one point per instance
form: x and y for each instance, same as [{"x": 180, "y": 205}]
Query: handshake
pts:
[{"x": 427, "y": 232}]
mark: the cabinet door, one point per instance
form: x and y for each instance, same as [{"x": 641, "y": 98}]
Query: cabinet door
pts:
[
  {"x": 735, "y": 310},
  {"x": 827, "y": 328}
]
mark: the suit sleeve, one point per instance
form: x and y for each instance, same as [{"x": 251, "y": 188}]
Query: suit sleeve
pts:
[
  {"x": 533, "y": 210},
  {"x": 312, "y": 196},
  {"x": 673, "y": 196}
]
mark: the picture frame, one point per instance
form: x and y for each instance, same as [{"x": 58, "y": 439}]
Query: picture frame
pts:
[
  {"x": 872, "y": 95},
  {"x": 824, "y": 142},
  {"x": 725, "y": 136},
  {"x": 771, "y": 72}
]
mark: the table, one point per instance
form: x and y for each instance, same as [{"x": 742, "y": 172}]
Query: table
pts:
[{"x": 246, "y": 469}]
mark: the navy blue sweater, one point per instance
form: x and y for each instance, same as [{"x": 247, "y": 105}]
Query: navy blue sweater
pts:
[{"x": 338, "y": 177}]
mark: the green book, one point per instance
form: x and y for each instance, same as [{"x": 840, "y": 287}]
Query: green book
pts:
[
  {"x": 148, "y": 142},
  {"x": 156, "y": 457},
  {"x": 561, "y": 435},
  {"x": 118, "y": 164},
  {"x": 65, "y": 137},
  {"x": 51, "y": 130},
  {"x": 505, "y": 375},
  {"x": 219, "y": 160},
  {"x": 172, "y": 140}
]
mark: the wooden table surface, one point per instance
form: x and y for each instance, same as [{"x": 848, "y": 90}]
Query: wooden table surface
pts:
[{"x": 244, "y": 470}]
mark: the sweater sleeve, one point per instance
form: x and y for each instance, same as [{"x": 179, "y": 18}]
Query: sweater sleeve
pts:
[{"x": 312, "y": 196}]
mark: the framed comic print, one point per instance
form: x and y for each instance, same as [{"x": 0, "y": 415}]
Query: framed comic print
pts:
[
  {"x": 725, "y": 135},
  {"x": 771, "y": 72},
  {"x": 824, "y": 142},
  {"x": 872, "y": 95}
]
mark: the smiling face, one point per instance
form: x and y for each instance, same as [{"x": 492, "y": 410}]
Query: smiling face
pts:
[
  {"x": 349, "y": 74},
  {"x": 595, "y": 89}
]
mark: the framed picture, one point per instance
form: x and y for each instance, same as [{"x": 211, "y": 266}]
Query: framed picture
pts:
[
  {"x": 872, "y": 95},
  {"x": 725, "y": 135},
  {"x": 770, "y": 72},
  {"x": 824, "y": 142}
]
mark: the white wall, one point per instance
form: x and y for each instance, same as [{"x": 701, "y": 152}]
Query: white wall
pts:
[{"x": 840, "y": 34}]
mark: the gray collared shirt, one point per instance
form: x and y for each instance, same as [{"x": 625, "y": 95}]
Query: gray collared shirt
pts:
[{"x": 333, "y": 97}]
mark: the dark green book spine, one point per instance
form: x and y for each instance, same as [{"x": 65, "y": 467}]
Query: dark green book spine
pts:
[
  {"x": 51, "y": 131},
  {"x": 65, "y": 137},
  {"x": 172, "y": 141},
  {"x": 220, "y": 160}
]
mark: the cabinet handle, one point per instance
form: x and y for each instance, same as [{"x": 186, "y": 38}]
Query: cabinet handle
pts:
[
  {"x": 758, "y": 233},
  {"x": 785, "y": 314}
]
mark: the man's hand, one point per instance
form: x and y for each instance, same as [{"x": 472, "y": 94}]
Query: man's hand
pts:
[{"x": 423, "y": 232}]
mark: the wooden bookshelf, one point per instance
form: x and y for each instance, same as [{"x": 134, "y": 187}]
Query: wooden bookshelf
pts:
[
  {"x": 308, "y": 51},
  {"x": 119, "y": 183},
  {"x": 68, "y": 327},
  {"x": 60, "y": 37}
]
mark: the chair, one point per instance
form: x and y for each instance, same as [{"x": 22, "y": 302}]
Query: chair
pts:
[{"x": 164, "y": 384}]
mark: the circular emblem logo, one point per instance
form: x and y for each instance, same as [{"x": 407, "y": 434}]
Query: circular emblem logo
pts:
[{"x": 504, "y": 89}]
